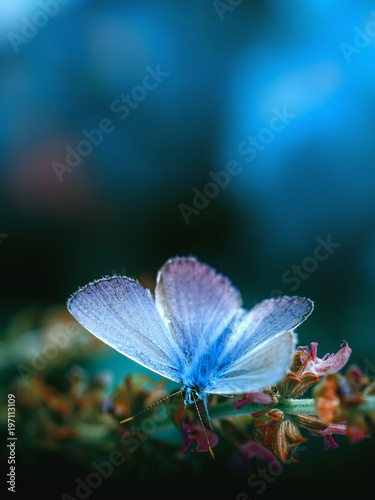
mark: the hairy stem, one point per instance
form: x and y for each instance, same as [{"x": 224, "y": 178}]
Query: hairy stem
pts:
[{"x": 290, "y": 406}]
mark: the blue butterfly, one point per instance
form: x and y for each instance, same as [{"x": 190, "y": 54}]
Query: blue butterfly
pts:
[{"x": 195, "y": 332}]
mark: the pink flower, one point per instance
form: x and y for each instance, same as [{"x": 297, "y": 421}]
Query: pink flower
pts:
[
  {"x": 195, "y": 432},
  {"x": 337, "y": 399},
  {"x": 241, "y": 459},
  {"x": 326, "y": 434},
  {"x": 254, "y": 397},
  {"x": 247, "y": 448},
  {"x": 330, "y": 363}
]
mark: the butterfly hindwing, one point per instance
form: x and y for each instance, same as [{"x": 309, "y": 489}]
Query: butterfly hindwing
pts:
[
  {"x": 258, "y": 345},
  {"x": 258, "y": 370}
]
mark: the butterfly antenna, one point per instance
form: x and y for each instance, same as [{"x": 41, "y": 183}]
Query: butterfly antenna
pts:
[
  {"x": 204, "y": 428},
  {"x": 149, "y": 407},
  {"x": 229, "y": 396}
]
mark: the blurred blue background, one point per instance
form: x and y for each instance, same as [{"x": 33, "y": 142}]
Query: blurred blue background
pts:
[{"x": 225, "y": 69}]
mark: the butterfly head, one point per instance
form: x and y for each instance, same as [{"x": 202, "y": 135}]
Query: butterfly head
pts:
[{"x": 191, "y": 394}]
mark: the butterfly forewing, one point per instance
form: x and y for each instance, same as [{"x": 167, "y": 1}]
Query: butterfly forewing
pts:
[
  {"x": 265, "y": 321},
  {"x": 196, "y": 301},
  {"x": 121, "y": 313}
]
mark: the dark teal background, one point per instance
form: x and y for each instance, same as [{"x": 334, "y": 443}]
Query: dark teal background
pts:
[{"x": 119, "y": 210}]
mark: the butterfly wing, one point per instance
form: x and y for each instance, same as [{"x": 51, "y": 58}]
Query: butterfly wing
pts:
[
  {"x": 196, "y": 302},
  {"x": 256, "y": 350},
  {"x": 197, "y": 330},
  {"x": 262, "y": 368},
  {"x": 121, "y": 313}
]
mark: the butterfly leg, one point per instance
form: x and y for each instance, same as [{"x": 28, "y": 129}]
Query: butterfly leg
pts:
[{"x": 204, "y": 399}]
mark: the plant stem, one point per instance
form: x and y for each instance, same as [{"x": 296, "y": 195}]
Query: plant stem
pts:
[
  {"x": 290, "y": 406},
  {"x": 367, "y": 406}
]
